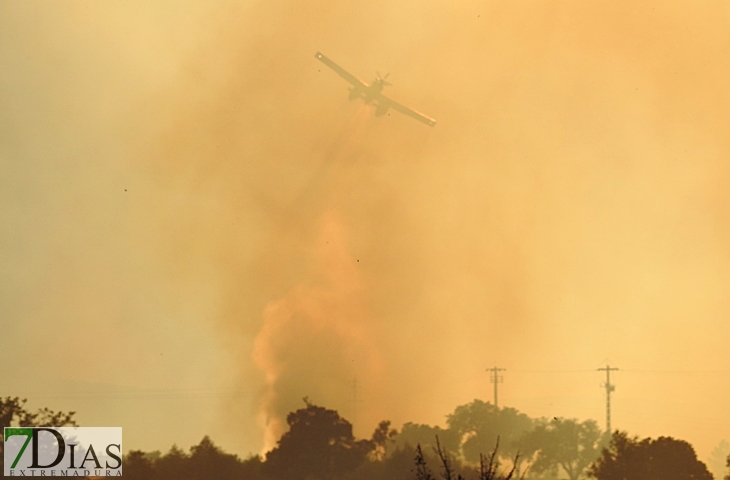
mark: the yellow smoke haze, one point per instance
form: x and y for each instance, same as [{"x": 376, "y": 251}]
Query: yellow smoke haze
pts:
[{"x": 199, "y": 229}]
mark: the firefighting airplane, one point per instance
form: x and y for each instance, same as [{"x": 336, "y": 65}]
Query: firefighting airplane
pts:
[{"x": 371, "y": 93}]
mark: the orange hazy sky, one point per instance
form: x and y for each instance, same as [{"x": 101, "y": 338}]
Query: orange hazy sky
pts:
[{"x": 199, "y": 229}]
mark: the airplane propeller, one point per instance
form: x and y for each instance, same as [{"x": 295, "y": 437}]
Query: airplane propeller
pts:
[{"x": 381, "y": 78}]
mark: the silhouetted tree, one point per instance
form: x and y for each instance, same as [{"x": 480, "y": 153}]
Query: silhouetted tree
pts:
[
  {"x": 478, "y": 424},
  {"x": 563, "y": 444},
  {"x": 318, "y": 445},
  {"x": 727, "y": 464},
  {"x": 448, "y": 472},
  {"x": 174, "y": 464},
  {"x": 209, "y": 461},
  {"x": 14, "y": 414},
  {"x": 382, "y": 436},
  {"x": 425, "y": 435},
  {"x": 451, "y": 470},
  {"x": 662, "y": 459},
  {"x": 397, "y": 464},
  {"x": 422, "y": 470},
  {"x": 138, "y": 466},
  {"x": 252, "y": 468},
  {"x": 489, "y": 465},
  {"x": 205, "y": 461}
]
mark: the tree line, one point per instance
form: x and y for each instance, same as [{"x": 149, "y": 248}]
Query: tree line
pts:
[{"x": 480, "y": 442}]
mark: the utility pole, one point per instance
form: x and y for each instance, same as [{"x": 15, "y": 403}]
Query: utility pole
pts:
[
  {"x": 496, "y": 379},
  {"x": 354, "y": 400},
  {"x": 609, "y": 388}
]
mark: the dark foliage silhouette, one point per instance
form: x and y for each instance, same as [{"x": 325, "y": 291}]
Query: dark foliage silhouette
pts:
[
  {"x": 382, "y": 436},
  {"x": 448, "y": 472},
  {"x": 422, "y": 470},
  {"x": 665, "y": 458},
  {"x": 564, "y": 444},
  {"x": 481, "y": 423},
  {"x": 138, "y": 466},
  {"x": 174, "y": 464},
  {"x": 13, "y": 413},
  {"x": 413, "y": 434},
  {"x": 205, "y": 461},
  {"x": 320, "y": 445},
  {"x": 488, "y": 465}
]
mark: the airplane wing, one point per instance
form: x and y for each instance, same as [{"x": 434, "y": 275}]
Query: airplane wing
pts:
[
  {"x": 341, "y": 71},
  {"x": 385, "y": 101}
]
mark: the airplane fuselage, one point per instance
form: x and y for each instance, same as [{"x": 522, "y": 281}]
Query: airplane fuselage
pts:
[{"x": 369, "y": 93}]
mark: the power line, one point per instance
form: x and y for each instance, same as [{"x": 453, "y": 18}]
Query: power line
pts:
[
  {"x": 681, "y": 372},
  {"x": 662, "y": 372},
  {"x": 552, "y": 371},
  {"x": 140, "y": 394}
]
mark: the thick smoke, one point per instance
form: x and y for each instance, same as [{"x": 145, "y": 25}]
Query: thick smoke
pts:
[
  {"x": 317, "y": 339},
  {"x": 175, "y": 175}
]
